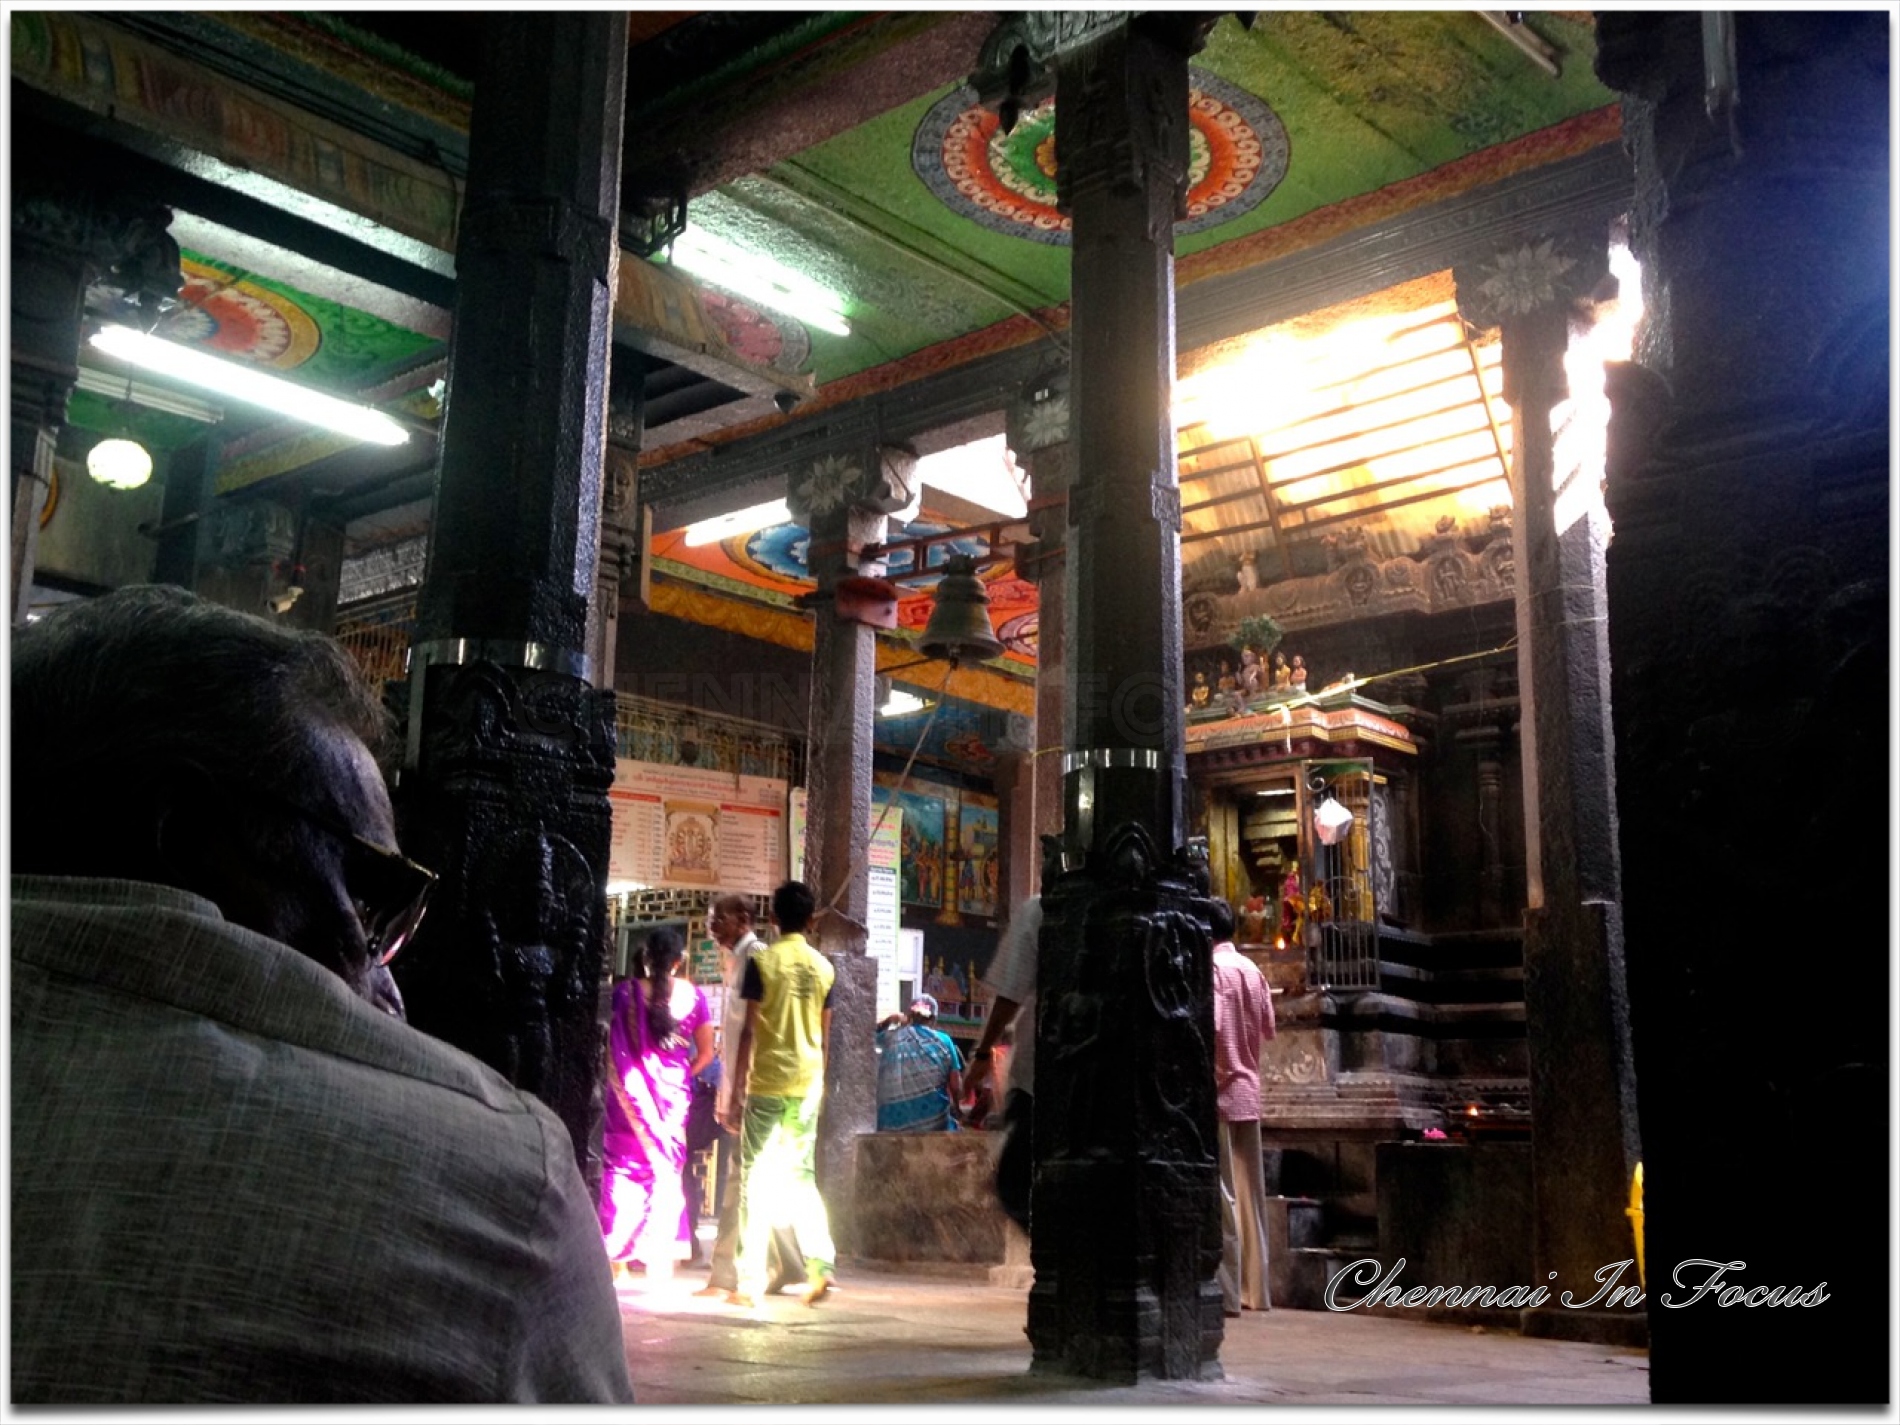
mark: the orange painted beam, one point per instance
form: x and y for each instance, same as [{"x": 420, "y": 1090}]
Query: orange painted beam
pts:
[{"x": 794, "y": 630}]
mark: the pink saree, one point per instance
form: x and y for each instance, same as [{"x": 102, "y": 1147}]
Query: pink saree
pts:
[{"x": 642, "y": 1203}]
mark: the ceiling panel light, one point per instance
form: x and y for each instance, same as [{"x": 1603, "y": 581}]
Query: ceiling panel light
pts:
[
  {"x": 765, "y": 516},
  {"x": 759, "y": 279},
  {"x": 902, "y": 704},
  {"x": 982, "y": 472},
  {"x": 183, "y": 363}
]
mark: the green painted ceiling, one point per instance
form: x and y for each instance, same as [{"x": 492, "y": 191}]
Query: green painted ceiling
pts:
[
  {"x": 236, "y": 315},
  {"x": 1367, "y": 99}
]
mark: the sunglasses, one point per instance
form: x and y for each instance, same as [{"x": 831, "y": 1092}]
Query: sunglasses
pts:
[{"x": 390, "y": 891}]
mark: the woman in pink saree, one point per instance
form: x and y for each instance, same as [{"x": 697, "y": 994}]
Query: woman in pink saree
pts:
[{"x": 662, "y": 1035}]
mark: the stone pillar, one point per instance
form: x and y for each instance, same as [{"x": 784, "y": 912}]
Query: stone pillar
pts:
[
  {"x": 619, "y": 513},
  {"x": 1125, "y": 1206},
  {"x": 65, "y": 236},
  {"x": 844, "y": 502},
  {"x": 181, "y": 524},
  {"x": 510, "y": 750},
  {"x": 1584, "y": 1135},
  {"x": 1749, "y": 630},
  {"x": 619, "y": 558},
  {"x": 1484, "y": 742},
  {"x": 1039, "y": 434}
]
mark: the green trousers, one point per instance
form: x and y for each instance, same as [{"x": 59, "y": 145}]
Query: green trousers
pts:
[{"x": 778, "y": 1141}]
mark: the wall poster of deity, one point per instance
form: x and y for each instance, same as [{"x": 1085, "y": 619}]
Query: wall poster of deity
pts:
[
  {"x": 979, "y": 839},
  {"x": 922, "y": 859}
]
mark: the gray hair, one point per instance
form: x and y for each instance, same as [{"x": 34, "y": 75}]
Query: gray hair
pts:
[{"x": 121, "y": 701}]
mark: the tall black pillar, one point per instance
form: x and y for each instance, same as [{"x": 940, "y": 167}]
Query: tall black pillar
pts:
[
  {"x": 1583, "y": 1095},
  {"x": 1125, "y": 1229},
  {"x": 1749, "y": 626},
  {"x": 510, "y": 749}
]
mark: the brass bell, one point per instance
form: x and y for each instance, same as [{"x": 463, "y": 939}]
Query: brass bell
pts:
[{"x": 959, "y": 627}]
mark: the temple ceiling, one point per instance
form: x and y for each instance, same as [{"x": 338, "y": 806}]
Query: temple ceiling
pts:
[{"x": 849, "y": 148}]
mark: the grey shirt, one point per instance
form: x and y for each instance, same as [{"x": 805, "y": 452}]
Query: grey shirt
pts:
[{"x": 233, "y": 1180}]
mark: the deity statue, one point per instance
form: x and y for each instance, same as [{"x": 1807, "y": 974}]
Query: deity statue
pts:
[
  {"x": 1292, "y": 906},
  {"x": 1297, "y": 674},
  {"x": 1282, "y": 675},
  {"x": 1253, "y": 921},
  {"x": 1201, "y": 691},
  {"x": 1226, "y": 681},
  {"x": 1250, "y": 671}
]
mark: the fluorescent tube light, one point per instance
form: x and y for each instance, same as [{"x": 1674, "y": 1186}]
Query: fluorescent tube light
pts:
[
  {"x": 758, "y": 278},
  {"x": 765, "y": 516},
  {"x": 183, "y": 363}
]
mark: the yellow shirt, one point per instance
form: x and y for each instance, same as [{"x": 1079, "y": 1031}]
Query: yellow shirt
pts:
[{"x": 791, "y": 983}]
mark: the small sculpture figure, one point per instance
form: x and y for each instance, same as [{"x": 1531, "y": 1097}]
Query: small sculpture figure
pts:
[
  {"x": 1253, "y": 921},
  {"x": 1250, "y": 670},
  {"x": 1297, "y": 675},
  {"x": 1319, "y": 905},
  {"x": 1292, "y": 906},
  {"x": 1226, "y": 682},
  {"x": 1201, "y": 691},
  {"x": 1282, "y": 675},
  {"x": 1248, "y": 573}
]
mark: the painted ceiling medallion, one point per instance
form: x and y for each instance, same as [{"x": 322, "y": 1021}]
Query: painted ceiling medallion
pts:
[
  {"x": 756, "y": 334},
  {"x": 1237, "y": 155},
  {"x": 232, "y": 317}
]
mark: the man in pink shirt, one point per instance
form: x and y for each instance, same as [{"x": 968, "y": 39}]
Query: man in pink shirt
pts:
[{"x": 1243, "y": 1018}]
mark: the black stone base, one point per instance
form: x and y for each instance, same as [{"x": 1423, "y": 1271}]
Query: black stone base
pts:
[{"x": 1131, "y": 1302}]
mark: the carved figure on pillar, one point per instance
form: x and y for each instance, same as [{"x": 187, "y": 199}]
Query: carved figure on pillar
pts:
[{"x": 509, "y": 795}]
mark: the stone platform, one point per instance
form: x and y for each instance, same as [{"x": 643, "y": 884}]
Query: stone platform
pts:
[{"x": 927, "y": 1199}]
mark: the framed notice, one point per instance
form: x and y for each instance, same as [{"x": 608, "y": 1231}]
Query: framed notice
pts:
[{"x": 695, "y": 829}]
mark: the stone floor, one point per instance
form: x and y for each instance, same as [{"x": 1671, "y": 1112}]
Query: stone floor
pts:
[{"x": 910, "y": 1340}]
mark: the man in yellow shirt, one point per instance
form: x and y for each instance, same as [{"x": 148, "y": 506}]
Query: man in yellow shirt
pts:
[{"x": 779, "y": 1077}]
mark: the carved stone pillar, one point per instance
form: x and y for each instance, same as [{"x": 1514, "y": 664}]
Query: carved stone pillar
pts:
[
  {"x": 619, "y": 557},
  {"x": 510, "y": 749},
  {"x": 1039, "y": 435},
  {"x": 1484, "y": 742},
  {"x": 844, "y": 501},
  {"x": 1125, "y": 1208},
  {"x": 1749, "y": 631},
  {"x": 1576, "y": 1002},
  {"x": 620, "y": 520},
  {"x": 246, "y": 553},
  {"x": 64, "y": 237}
]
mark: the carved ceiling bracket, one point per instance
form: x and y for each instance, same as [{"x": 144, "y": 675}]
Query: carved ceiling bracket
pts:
[{"x": 1016, "y": 69}]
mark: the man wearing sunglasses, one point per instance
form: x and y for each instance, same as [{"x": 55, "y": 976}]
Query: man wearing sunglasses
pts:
[{"x": 236, "y": 1175}]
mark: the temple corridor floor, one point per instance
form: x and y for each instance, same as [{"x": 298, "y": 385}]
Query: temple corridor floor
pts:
[{"x": 932, "y": 1341}]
